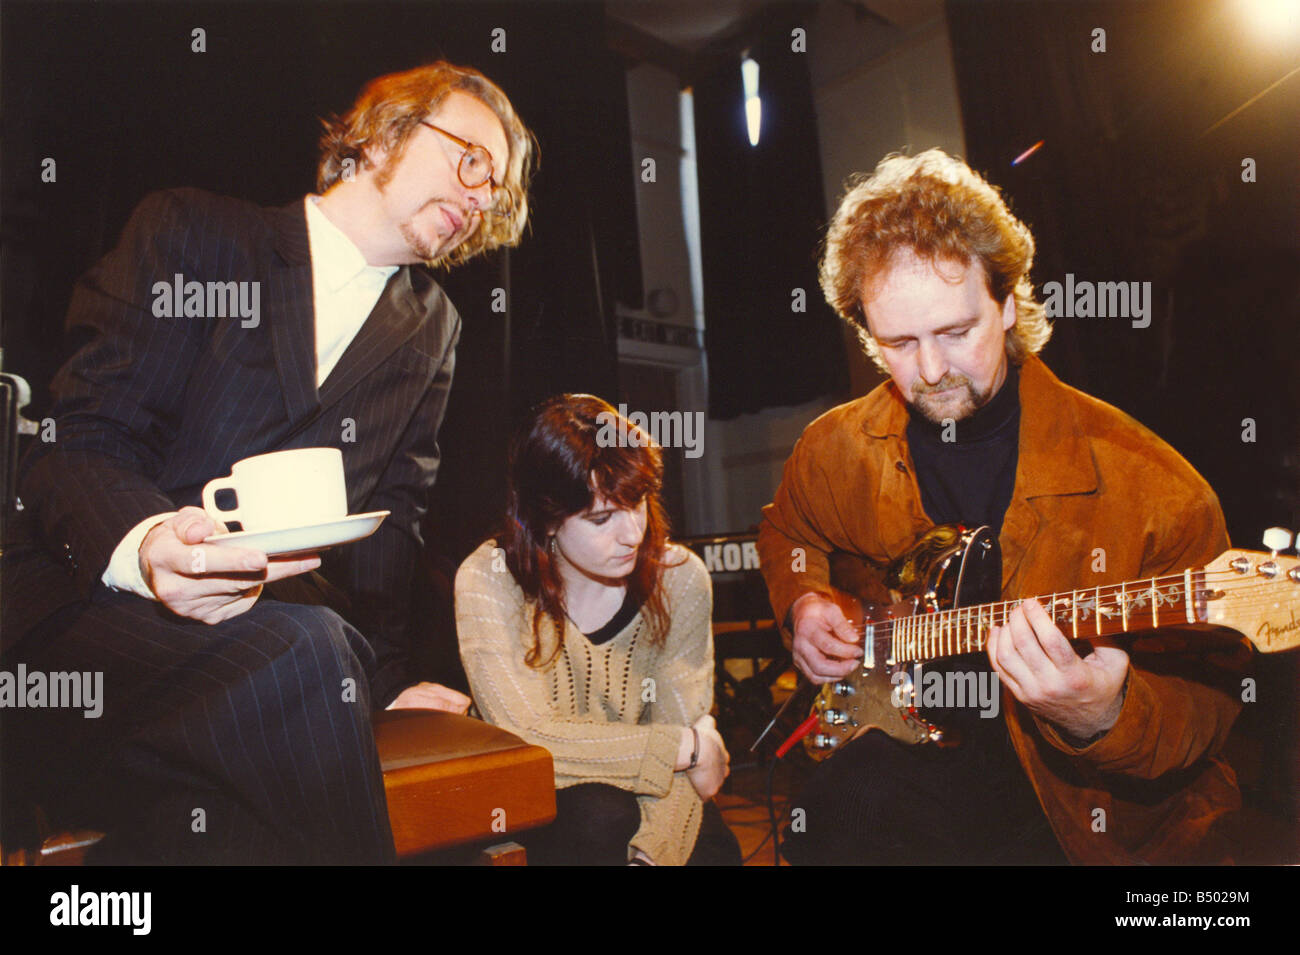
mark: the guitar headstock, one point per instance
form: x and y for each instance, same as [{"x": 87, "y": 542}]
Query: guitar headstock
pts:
[{"x": 1257, "y": 594}]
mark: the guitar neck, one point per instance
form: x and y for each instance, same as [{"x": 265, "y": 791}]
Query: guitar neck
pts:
[{"x": 1170, "y": 601}]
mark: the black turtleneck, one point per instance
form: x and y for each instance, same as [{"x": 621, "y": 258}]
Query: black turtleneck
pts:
[{"x": 969, "y": 480}]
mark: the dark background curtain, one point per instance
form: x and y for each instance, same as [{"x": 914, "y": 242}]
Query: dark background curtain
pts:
[
  {"x": 761, "y": 216},
  {"x": 1133, "y": 184},
  {"x": 115, "y": 95},
  {"x": 1129, "y": 187}
]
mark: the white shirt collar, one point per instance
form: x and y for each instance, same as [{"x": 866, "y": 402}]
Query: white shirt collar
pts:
[{"x": 335, "y": 258}]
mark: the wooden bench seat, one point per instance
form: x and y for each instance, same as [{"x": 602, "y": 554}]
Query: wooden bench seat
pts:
[{"x": 453, "y": 780}]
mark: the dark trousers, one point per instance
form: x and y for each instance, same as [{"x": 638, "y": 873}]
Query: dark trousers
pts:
[
  {"x": 244, "y": 742},
  {"x": 881, "y": 802},
  {"x": 595, "y": 822}
]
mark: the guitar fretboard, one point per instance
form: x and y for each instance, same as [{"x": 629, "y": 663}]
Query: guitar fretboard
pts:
[{"x": 1097, "y": 612}]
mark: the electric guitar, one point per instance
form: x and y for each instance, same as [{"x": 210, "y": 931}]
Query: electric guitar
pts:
[{"x": 934, "y": 615}]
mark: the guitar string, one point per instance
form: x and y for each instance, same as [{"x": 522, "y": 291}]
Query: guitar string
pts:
[
  {"x": 1166, "y": 595},
  {"x": 920, "y": 645},
  {"x": 933, "y": 645},
  {"x": 966, "y": 618},
  {"x": 1139, "y": 588},
  {"x": 940, "y": 632},
  {"x": 1142, "y": 586}
]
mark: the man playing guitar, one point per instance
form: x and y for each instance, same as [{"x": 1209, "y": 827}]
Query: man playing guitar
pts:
[{"x": 1098, "y": 754}]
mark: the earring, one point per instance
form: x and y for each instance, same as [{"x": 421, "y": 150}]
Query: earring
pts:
[{"x": 552, "y": 543}]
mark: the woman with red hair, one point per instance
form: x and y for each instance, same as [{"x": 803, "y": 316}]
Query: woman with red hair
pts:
[{"x": 583, "y": 630}]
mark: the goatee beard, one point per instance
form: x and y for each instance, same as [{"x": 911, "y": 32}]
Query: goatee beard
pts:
[
  {"x": 417, "y": 244},
  {"x": 967, "y": 399}
]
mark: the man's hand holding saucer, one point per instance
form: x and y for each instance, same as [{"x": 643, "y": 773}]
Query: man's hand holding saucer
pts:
[{"x": 229, "y": 580}]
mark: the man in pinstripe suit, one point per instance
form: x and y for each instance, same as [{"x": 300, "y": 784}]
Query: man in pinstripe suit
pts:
[{"x": 236, "y": 706}]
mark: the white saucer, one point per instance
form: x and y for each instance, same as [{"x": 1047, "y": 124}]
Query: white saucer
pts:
[{"x": 304, "y": 540}]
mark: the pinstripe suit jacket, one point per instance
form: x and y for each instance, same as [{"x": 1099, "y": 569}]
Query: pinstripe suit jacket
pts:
[{"x": 149, "y": 409}]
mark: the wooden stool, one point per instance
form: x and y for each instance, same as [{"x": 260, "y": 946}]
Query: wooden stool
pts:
[{"x": 453, "y": 780}]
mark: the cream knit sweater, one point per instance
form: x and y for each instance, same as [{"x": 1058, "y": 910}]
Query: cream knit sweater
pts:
[{"x": 611, "y": 713}]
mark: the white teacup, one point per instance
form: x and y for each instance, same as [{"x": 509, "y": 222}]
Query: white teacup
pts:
[{"x": 282, "y": 489}]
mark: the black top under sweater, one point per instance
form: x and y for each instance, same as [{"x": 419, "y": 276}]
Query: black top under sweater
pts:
[{"x": 616, "y": 623}]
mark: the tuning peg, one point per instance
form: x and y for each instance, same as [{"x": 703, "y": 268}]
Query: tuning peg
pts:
[{"x": 1277, "y": 538}]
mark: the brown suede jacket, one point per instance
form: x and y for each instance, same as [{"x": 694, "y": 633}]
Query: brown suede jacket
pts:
[{"x": 1093, "y": 489}]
